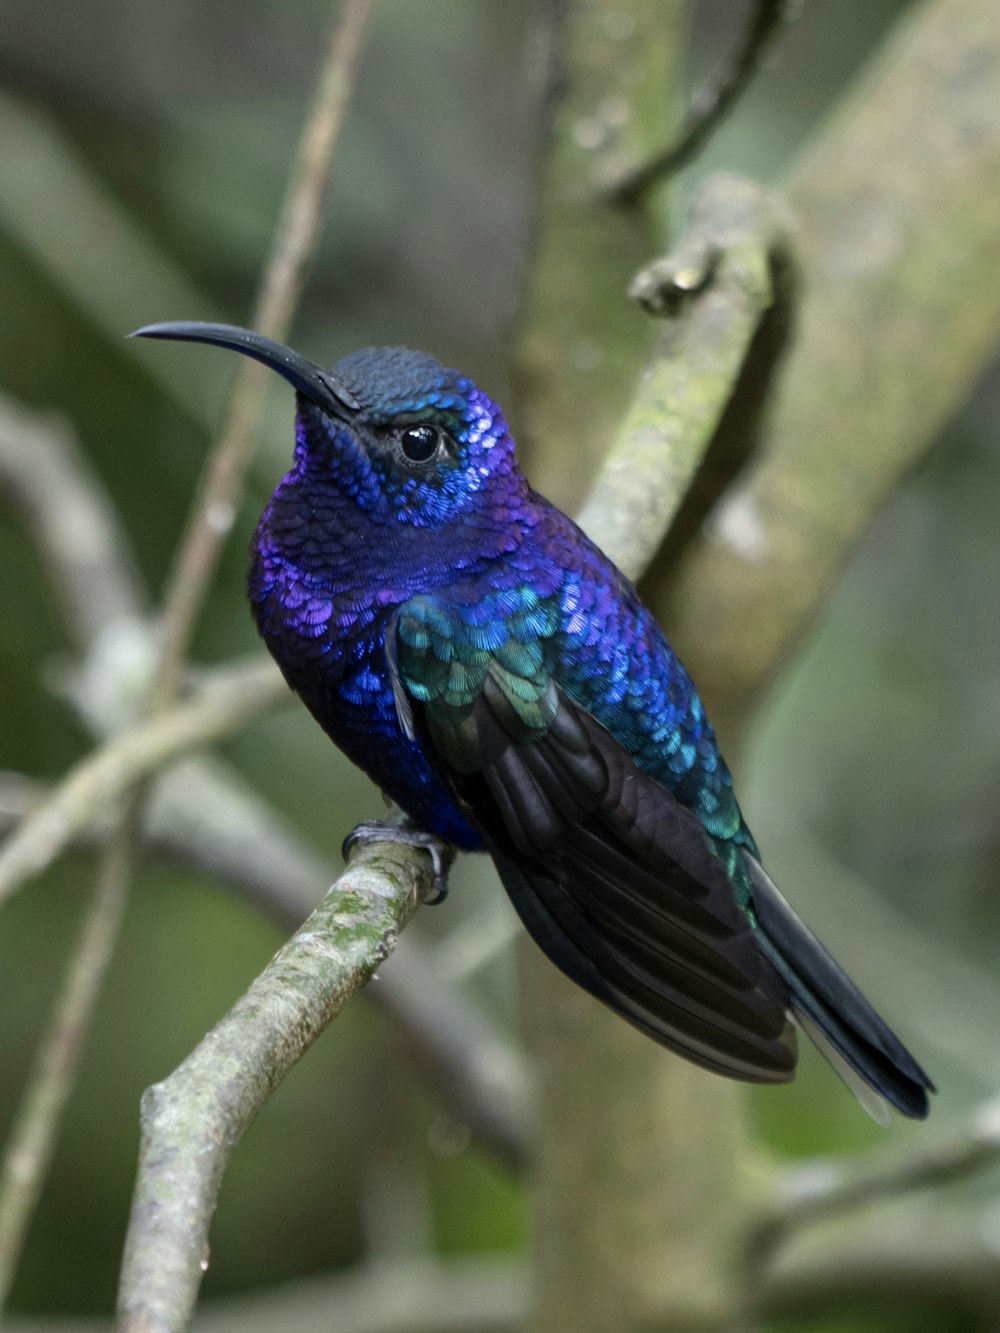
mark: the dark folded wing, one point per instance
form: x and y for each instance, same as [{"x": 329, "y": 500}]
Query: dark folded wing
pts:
[{"x": 613, "y": 878}]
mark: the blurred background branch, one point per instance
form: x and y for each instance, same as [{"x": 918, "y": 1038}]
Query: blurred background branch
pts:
[
  {"x": 71, "y": 523},
  {"x": 30, "y": 1146},
  {"x": 225, "y": 701},
  {"x": 819, "y": 1191},
  {"x": 713, "y": 101},
  {"x": 651, "y": 1233}
]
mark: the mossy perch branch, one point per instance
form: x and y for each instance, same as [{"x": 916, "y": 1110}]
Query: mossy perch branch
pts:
[{"x": 193, "y": 1120}]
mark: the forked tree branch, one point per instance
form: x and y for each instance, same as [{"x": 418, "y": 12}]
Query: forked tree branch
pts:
[
  {"x": 896, "y": 198},
  {"x": 711, "y": 104}
]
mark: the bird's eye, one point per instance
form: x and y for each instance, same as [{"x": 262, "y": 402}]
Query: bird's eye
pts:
[{"x": 419, "y": 443}]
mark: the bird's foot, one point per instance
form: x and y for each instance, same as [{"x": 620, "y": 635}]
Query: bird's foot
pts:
[{"x": 383, "y": 830}]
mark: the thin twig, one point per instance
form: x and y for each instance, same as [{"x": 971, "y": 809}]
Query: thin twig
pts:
[
  {"x": 218, "y": 708},
  {"x": 824, "y": 1190},
  {"x": 222, "y": 481},
  {"x": 213, "y": 512},
  {"x": 32, "y": 1138},
  {"x": 710, "y": 105}
]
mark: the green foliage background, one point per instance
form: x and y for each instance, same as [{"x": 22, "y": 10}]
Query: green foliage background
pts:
[{"x": 872, "y": 781}]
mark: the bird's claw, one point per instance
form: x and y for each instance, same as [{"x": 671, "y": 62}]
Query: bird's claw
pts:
[{"x": 408, "y": 835}]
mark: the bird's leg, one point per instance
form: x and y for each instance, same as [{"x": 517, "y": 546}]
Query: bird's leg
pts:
[{"x": 404, "y": 831}]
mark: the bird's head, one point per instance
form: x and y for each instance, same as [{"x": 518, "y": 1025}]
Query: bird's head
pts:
[{"x": 401, "y": 435}]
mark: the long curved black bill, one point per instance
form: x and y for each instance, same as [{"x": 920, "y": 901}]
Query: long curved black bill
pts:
[{"x": 314, "y": 383}]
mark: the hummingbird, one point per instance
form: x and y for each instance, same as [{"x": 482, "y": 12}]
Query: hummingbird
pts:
[{"x": 468, "y": 647}]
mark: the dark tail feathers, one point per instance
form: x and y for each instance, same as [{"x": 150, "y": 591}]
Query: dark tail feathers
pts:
[{"x": 832, "y": 1011}]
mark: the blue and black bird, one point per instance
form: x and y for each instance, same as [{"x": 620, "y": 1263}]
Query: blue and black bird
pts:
[{"x": 465, "y": 644}]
